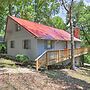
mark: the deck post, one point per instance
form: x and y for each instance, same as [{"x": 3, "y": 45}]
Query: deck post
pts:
[
  {"x": 65, "y": 53},
  {"x": 59, "y": 53},
  {"x": 46, "y": 60},
  {"x": 37, "y": 65},
  {"x": 58, "y": 56}
]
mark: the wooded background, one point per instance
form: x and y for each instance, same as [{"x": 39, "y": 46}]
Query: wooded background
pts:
[{"x": 48, "y": 12}]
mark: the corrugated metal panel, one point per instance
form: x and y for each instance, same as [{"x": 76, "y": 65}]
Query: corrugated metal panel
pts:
[{"x": 42, "y": 31}]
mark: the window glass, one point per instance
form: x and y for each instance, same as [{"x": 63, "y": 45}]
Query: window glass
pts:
[
  {"x": 18, "y": 27},
  {"x": 12, "y": 44},
  {"x": 26, "y": 44},
  {"x": 48, "y": 44}
]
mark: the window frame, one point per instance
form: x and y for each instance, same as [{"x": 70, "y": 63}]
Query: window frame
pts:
[
  {"x": 27, "y": 44},
  {"x": 12, "y": 44},
  {"x": 18, "y": 27},
  {"x": 47, "y": 43}
]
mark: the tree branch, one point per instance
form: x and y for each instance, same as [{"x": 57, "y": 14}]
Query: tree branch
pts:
[
  {"x": 63, "y": 3},
  {"x": 71, "y": 3}
]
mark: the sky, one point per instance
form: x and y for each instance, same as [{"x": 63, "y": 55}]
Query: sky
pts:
[
  {"x": 87, "y": 2},
  {"x": 63, "y": 11}
]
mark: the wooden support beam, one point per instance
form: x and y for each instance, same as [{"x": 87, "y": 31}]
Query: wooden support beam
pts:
[
  {"x": 46, "y": 60},
  {"x": 37, "y": 65},
  {"x": 57, "y": 60}
]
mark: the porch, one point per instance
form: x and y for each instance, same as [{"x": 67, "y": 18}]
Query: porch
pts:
[{"x": 50, "y": 57}]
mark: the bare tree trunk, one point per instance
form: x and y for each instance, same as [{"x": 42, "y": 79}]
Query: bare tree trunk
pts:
[
  {"x": 69, "y": 11},
  {"x": 72, "y": 39},
  {"x": 36, "y": 11}
]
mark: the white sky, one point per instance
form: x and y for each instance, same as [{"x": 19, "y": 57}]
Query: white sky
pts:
[{"x": 87, "y": 2}]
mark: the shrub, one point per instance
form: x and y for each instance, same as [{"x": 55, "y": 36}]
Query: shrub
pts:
[
  {"x": 2, "y": 48},
  {"x": 87, "y": 58},
  {"x": 22, "y": 58}
]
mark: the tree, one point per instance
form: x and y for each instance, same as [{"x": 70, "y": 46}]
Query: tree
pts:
[
  {"x": 57, "y": 22},
  {"x": 81, "y": 14},
  {"x": 40, "y": 11},
  {"x": 68, "y": 5},
  {"x": 5, "y": 9}
]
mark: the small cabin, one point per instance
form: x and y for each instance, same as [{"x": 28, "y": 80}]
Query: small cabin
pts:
[{"x": 34, "y": 39}]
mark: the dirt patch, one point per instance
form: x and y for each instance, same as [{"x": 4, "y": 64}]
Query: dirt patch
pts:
[{"x": 28, "y": 79}]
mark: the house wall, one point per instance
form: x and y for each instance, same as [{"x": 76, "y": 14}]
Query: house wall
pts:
[
  {"x": 57, "y": 45},
  {"x": 37, "y": 45},
  {"x": 77, "y": 60},
  {"x": 18, "y": 37},
  {"x": 77, "y": 45},
  {"x": 60, "y": 45}
]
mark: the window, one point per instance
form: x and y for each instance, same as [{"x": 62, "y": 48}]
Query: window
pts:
[
  {"x": 75, "y": 45},
  {"x": 26, "y": 44},
  {"x": 18, "y": 27},
  {"x": 12, "y": 44},
  {"x": 48, "y": 44}
]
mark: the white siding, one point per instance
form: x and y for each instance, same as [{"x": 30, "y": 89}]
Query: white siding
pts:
[
  {"x": 18, "y": 37},
  {"x": 40, "y": 47},
  {"x": 57, "y": 45},
  {"x": 37, "y": 45},
  {"x": 60, "y": 45}
]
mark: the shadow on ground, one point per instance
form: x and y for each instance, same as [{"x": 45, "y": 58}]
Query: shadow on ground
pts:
[{"x": 69, "y": 82}]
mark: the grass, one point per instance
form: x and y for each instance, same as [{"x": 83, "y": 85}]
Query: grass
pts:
[
  {"x": 73, "y": 80},
  {"x": 7, "y": 63},
  {"x": 83, "y": 73}
]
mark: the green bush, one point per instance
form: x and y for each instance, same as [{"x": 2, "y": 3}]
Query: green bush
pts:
[
  {"x": 3, "y": 48},
  {"x": 22, "y": 58},
  {"x": 87, "y": 58}
]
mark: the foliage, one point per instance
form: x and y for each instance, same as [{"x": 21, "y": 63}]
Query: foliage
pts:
[
  {"x": 57, "y": 22},
  {"x": 87, "y": 58},
  {"x": 81, "y": 18},
  {"x": 22, "y": 58},
  {"x": 81, "y": 14},
  {"x": 41, "y": 11},
  {"x": 2, "y": 48}
]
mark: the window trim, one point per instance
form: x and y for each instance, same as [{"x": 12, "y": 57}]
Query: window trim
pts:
[
  {"x": 26, "y": 44},
  {"x": 18, "y": 27},
  {"x": 46, "y": 44},
  {"x": 12, "y": 44}
]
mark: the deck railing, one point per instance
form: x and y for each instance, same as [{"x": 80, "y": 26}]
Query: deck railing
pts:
[{"x": 54, "y": 56}]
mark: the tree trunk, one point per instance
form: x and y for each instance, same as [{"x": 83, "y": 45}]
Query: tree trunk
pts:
[
  {"x": 72, "y": 40},
  {"x": 36, "y": 11},
  {"x": 69, "y": 11}
]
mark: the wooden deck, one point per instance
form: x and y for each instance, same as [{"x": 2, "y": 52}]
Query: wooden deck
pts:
[{"x": 54, "y": 56}]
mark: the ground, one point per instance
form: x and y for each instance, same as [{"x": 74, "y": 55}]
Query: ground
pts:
[{"x": 22, "y": 78}]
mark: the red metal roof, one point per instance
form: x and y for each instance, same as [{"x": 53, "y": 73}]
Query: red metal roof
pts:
[{"x": 42, "y": 31}]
